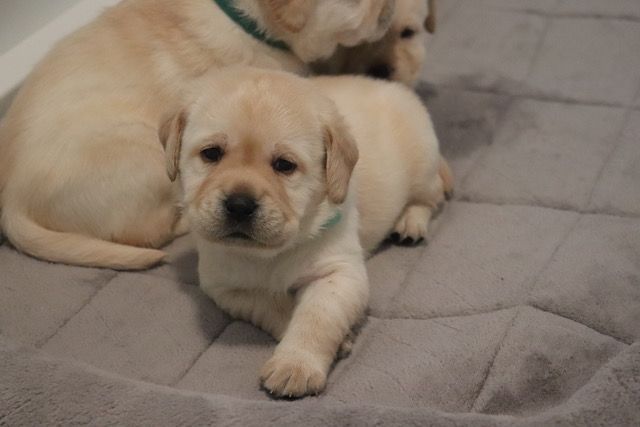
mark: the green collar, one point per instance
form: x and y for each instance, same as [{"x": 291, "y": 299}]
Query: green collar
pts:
[
  {"x": 332, "y": 221},
  {"x": 249, "y": 25}
]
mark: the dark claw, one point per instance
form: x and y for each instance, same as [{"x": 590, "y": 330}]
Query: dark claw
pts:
[
  {"x": 448, "y": 195},
  {"x": 407, "y": 241},
  {"x": 395, "y": 237}
]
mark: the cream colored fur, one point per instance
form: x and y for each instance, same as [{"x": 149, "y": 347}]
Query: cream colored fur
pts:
[
  {"x": 399, "y": 171},
  {"x": 81, "y": 168},
  {"x": 297, "y": 273},
  {"x": 404, "y": 57}
]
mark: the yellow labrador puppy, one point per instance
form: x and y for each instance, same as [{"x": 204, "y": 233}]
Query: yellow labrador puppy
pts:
[
  {"x": 82, "y": 175},
  {"x": 265, "y": 161},
  {"x": 398, "y": 56}
]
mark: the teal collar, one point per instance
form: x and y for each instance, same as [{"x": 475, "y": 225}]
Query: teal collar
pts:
[
  {"x": 332, "y": 221},
  {"x": 249, "y": 25}
]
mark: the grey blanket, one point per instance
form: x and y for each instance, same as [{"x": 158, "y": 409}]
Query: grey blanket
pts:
[{"x": 523, "y": 309}]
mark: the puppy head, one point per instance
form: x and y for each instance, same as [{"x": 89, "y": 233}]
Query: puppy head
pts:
[
  {"x": 400, "y": 54},
  {"x": 261, "y": 155},
  {"x": 315, "y": 28}
]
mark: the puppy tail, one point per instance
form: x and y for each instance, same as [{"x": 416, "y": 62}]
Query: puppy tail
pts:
[
  {"x": 447, "y": 178},
  {"x": 72, "y": 248}
]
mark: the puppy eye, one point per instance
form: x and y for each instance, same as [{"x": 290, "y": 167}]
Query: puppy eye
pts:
[
  {"x": 407, "y": 33},
  {"x": 284, "y": 166},
  {"x": 212, "y": 154}
]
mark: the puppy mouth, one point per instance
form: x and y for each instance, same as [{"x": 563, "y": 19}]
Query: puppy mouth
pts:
[
  {"x": 243, "y": 239},
  {"x": 262, "y": 231},
  {"x": 239, "y": 236}
]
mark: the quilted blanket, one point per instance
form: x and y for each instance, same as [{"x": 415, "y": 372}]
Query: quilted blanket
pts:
[{"x": 522, "y": 309}]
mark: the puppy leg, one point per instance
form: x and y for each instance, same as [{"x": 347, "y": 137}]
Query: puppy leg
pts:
[
  {"x": 413, "y": 224},
  {"x": 270, "y": 312},
  {"x": 324, "y": 314},
  {"x": 428, "y": 191},
  {"x": 267, "y": 310}
]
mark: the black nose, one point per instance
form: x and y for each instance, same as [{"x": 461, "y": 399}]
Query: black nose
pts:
[
  {"x": 240, "y": 207},
  {"x": 380, "y": 71}
]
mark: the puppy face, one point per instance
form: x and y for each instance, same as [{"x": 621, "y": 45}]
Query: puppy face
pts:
[
  {"x": 258, "y": 153},
  {"x": 400, "y": 54},
  {"x": 314, "y": 28}
]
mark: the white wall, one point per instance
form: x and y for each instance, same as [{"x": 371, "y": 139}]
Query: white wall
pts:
[{"x": 21, "y": 18}]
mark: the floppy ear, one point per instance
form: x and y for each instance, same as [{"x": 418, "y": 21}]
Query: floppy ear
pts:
[
  {"x": 292, "y": 15},
  {"x": 170, "y": 134},
  {"x": 430, "y": 22},
  {"x": 341, "y": 158}
]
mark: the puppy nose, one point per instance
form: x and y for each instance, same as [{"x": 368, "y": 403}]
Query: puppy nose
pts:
[
  {"x": 380, "y": 71},
  {"x": 240, "y": 206}
]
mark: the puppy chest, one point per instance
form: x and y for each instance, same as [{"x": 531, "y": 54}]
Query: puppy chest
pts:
[{"x": 242, "y": 273}]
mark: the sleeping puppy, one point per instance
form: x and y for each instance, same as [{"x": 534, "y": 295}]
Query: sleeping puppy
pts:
[
  {"x": 398, "y": 56},
  {"x": 265, "y": 161},
  {"x": 82, "y": 177}
]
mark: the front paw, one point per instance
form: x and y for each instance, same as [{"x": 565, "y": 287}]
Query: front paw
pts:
[{"x": 293, "y": 375}]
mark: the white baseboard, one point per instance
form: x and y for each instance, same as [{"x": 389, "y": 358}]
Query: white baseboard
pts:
[{"x": 16, "y": 63}]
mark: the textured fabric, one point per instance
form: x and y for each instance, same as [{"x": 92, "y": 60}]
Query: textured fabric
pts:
[{"x": 522, "y": 309}]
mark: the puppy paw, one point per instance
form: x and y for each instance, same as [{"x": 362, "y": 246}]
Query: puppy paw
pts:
[
  {"x": 293, "y": 375},
  {"x": 412, "y": 226}
]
